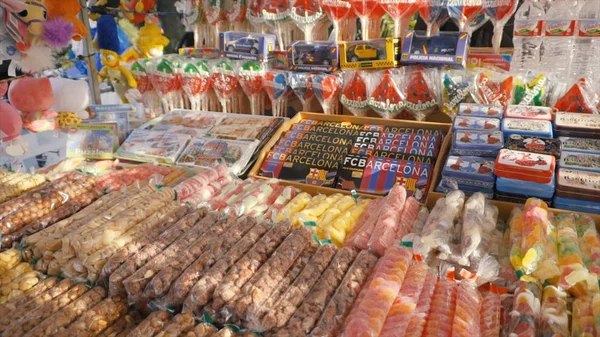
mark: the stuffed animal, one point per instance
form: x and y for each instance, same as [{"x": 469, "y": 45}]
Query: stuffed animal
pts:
[
  {"x": 13, "y": 6},
  {"x": 69, "y": 11},
  {"x": 10, "y": 119},
  {"x": 140, "y": 7},
  {"x": 34, "y": 98},
  {"x": 35, "y": 16},
  {"x": 71, "y": 98},
  {"x": 150, "y": 43},
  {"x": 108, "y": 43}
]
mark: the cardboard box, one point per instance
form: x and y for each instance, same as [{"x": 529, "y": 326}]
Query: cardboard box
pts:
[
  {"x": 247, "y": 46},
  {"x": 447, "y": 48},
  {"x": 313, "y": 56},
  {"x": 371, "y": 54}
]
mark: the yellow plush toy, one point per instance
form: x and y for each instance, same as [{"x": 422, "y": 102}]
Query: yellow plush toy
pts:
[
  {"x": 150, "y": 43},
  {"x": 67, "y": 119},
  {"x": 35, "y": 16}
]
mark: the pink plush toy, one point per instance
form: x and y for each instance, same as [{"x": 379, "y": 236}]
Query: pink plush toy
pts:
[
  {"x": 10, "y": 120},
  {"x": 34, "y": 98}
]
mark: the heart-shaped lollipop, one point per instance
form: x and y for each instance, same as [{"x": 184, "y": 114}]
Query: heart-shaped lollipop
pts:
[
  {"x": 301, "y": 84},
  {"x": 465, "y": 12},
  {"x": 195, "y": 78},
  {"x": 224, "y": 81},
  {"x": 434, "y": 13},
  {"x": 276, "y": 85},
  {"x": 327, "y": 88}
]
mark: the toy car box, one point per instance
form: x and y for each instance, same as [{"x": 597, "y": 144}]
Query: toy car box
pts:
[
  {"x": 447, "y": 48},
  {"x": 247, "y": 46},
  {"x": 313, "y": 56},
  {"x": 371, "y": 54}
]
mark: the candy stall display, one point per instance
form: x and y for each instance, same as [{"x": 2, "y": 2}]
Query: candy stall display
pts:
[{"x": 13, "y": 184}]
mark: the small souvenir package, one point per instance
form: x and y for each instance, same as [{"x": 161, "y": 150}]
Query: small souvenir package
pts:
[
  {"x": 469, "y": 174},
  {"x": 153, "y": 146},
  {"x": 580, "y": 185},
  {"x": 577, "y": 125},
  {"x": 585, "y": 145},
  {"x": 477, "y": 143},
  {"x": 533, "y": 144},
  {"x": 481, "y": 110},
  {"x": 523, "y": 127},
  {"x": 580, "y": 161},
  {"x": 525, "y": 166},
  {"x": 94, "y": 141},
  {"x": 209, "y": 152},
  {"x": 525, "y": 188},
  {"x": 577, "y": 205},
  {"x": 476, "y": 123},
  {"x": 529, "y": 112}
]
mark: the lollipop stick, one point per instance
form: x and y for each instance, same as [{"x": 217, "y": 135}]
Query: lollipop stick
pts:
[
  {"x": 308, "y": 33},
  {"x": 336, "y": 31},
  {"x": 279, "y": 30},
  {"x": 364, "y": 25},
  {"x": 497, "y": 39},
  {"x": 397, "y": 28},
  {"x": 429, "y": 29},
  {"x": 254, "y": 104}
]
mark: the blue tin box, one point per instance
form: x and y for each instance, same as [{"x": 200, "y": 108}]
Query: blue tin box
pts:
[
  {"x": 470, "y": 169},
  {"x": 477, "y": 143},
  {"x": 577, "y": 205},
  {"x": 525, "y": 127},
  {"x": 529, "y": 189},
  {"x": 313, "y": 56},
  {"x": 446, "y": 186},
  {"x": 247, "y": 46},
  {"x": 446, "y": 48},
  {"x": 476, "y": 123}
]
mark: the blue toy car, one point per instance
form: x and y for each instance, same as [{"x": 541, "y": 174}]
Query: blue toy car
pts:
[
  {"x": 315, "y": 55},
  {"x": 243, "y": 45}
]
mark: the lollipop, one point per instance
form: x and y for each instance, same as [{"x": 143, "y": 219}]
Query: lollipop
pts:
[
  {"x": 386, "y": 98},
  {"x": 363, "y": 9},
  {"x": 213, "y": 11},
  {"x": 224, "y": 82},
  {"x": 306, "y": 14},
  {"x": 195, "y": 80},
  {"x": 579, "y": 98},
  {"x": 457, "y": 88},
  {"x": 251, "y": 80},
  {"x": 336, "y": 10},
  {"x": 327, "y": 87},
  {"x": 499, "y": 12},
  {"x": 530, "y": 89},
  {"x": 399, "y": 11},
  {"x": 236, "y": 11},
  {"x": 354, "y": 94},
  {"x": 150, "y": 98},
  {"x": 254, "y": 13},
  {"x": 422, "y": 94},
  {"x": 301, "y": 84},
  {"x": 465, "y": 13},
  {"x": 434, "y": 13},
  {"x": 494, "y": 88},
  {"x": 275, "y": 83},
  {"x": 275, "y": 13},
  {"x": 166, "y": 83}
]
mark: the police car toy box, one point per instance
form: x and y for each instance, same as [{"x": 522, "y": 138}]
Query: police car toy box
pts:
[
  {"x": 371, "y": 54},
  {"x": 247, "y": 46},
  {"x": 313, "y": 56},
  {"x": 447, "y": 48}
]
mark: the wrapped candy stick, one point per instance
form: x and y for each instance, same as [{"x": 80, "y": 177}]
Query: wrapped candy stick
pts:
[
  {"x": 465, "y": 13},
  {"x": 472, "y": 230},
  {"x": 339, "y": 229},
  {"x": 468, "y": 307},
  {"x": 418, "y": 319},
  {"x": 327, "y": 88},
  {"x": 337, "y": 10},
  {"x": 491, "y": 310},
  {"x": 276, "y": 85},
  {"x": 554, "y": 320},
  {"x": 434, "y": 13},
  {"x": 195, "y": 80},
  {"x": 516, "y": 237},
  {"x": 589, "y": 243},
  {"x": 296, "y": 205},
  {"x": 225, "y": 82},
  {"x": 549, "y": 270},
  {"x": 443, "y": 306},
  {"x": 306, "y": 14},
  {"x": 499, "y": 12},
  {"x": 526, "y": 309},
  {"x": 535, "y": 231},
  {"x": 250, "y": 76},
  {"x": 301, "y": 84},
  {"x": 400, "y": 11},
  {"x": 583, "y": 318},
  {"x": 384, "y": 233}
]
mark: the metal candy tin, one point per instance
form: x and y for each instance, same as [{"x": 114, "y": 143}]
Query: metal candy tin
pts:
[
  {"x": 516, "y": 198},
  {"x": 445, "y": 187},
  {"x": 582, "y": 185},
  {"x": 524, "y": 127},
  {"x": 480, "y": 110},
  {"x": 585, "y": 145},
  {"x": 577, "y": 122},
  {"x": 577, "y": 205},
  {"x": 476, "y": 123},
  {"x": 477, "y": 143},
  {"x": 580, "y": 161},
  {"x": 526, "y": 166},
  {"x": 469, "y": 168},
  {"x": 548, "y": 146},
  {"x": 529, "y": 112},
  {"x": 529, "y": 189}
]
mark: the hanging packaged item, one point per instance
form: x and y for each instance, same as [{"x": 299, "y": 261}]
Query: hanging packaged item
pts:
[
  {"x": 526, "y": 166},
  {"x": 476, "y": 123},
  {"x": 576, "y": 184},
  {"x": 477, "y": 143},
  {"x": 540, "y": 145},
  {"x": 529, "y": 112},
  {"x": 528, "y": 189},
  {"x": 513, "y": 126}
]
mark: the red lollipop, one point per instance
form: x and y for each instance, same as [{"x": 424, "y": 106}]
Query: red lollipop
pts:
[
  {"x": 336, "y": 10},
  {"x": 364, "y": 9},
  {"x": 400, "y": 10}
]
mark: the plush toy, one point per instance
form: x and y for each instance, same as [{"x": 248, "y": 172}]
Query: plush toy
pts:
[
  {"x": 69, "y": 11},
  {"x": 34, "y": 98},
  {"x": 71, "y": 98},
  {"x": 101, "y": 7},
  {"x": 10, "y": 120},
  {"x": 150, "y": 43},
  {"x": 138, "y": 6},
  {"x": 108, "y": 43},
  {"x": 13, "y": 6},
  {"x": 35, "y": 16}
]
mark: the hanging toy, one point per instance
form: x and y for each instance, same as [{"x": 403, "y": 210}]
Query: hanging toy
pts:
[
  {"x": 108, "y": 42},
  {"x": 355, "y": 94},
  {"x": 422, "y": 91},
  {"x": 579, "y": 98},
  {"x": 139, "y": 8},
  {"x": 67, "y": 11},
  {"x": 386, "y": 98},
  {"x": 149, "y": 43},
  {"x": 34, "y": 98},
  {"x": 71, "y": 98},
  {"x": 34, "y": 16}
]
